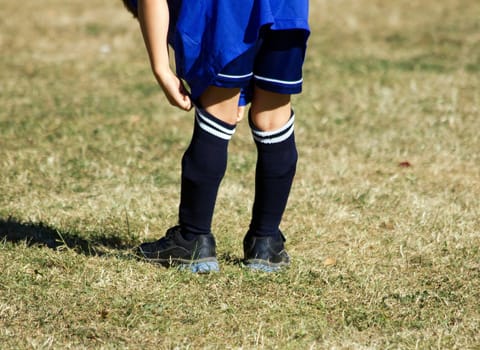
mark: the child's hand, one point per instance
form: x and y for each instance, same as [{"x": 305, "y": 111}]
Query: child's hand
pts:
[{"x": 174, "y": 90}]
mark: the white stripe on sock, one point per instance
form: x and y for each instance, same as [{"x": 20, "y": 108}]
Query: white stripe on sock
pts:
[
  {"x": 213, "y": 131},
  {"x": 272, "y": 140},
  {"x": 224, "y": 133},
  {"x": 260, "y": 133},
  {"x": 215, "y": 125}
]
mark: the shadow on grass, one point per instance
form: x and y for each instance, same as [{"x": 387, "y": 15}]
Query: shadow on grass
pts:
[{"x": 12, "y": 230}]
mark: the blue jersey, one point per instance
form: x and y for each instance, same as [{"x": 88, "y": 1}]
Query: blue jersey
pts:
[
  {"x": 208, "y": 34},
  {"x": 211, "y": 33}
]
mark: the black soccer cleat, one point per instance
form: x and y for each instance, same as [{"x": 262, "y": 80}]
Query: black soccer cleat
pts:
[
  {"x": 197, "y": 255},
  {"x": 267, "y": 254}
]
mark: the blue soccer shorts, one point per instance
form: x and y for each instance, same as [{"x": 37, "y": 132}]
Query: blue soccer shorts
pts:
[{"x": 275, "y": 64}]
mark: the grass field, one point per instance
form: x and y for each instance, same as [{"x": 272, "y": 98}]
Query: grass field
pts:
[{"x": 383, "y": 224}]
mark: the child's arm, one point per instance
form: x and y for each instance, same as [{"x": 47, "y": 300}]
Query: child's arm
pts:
[{"x": 154, "y": 19}]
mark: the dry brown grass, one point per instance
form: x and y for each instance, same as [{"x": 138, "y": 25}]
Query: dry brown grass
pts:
[{"x": 384, "y": 255}]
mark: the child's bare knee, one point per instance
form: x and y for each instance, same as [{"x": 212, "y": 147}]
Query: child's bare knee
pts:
[{"x": 269, "y": 110}]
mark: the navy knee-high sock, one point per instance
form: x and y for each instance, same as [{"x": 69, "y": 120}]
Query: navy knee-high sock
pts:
[
  {"x": 203, "y": 167},
  {"x": 276, "y": 165}
]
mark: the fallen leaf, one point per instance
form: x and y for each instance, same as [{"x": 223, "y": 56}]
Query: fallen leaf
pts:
[
  {"x": 134, "y": 119},
  {"x": 387, "y": 225},
  {"x": 329, "y": 261},
  {"x": 405, "y": 164}
]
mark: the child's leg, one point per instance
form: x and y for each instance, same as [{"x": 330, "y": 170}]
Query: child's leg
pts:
[
  {"x": 272, "y": 123},
  {"x": 205, "y": 160},
  {"x": 278, "y": 74},
  {"x": 191, "y": 244}
]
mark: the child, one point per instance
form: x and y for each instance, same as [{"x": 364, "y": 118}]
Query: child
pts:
[{"x": 230, "y": 53}]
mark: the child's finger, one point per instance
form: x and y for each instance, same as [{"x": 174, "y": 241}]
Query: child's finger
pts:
[{"x": 186, "y": 103}]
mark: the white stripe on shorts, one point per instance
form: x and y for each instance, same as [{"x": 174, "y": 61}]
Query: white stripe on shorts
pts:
[
  {"x": 228, "y": 76},
  {"x": 286, "y": 82}
]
